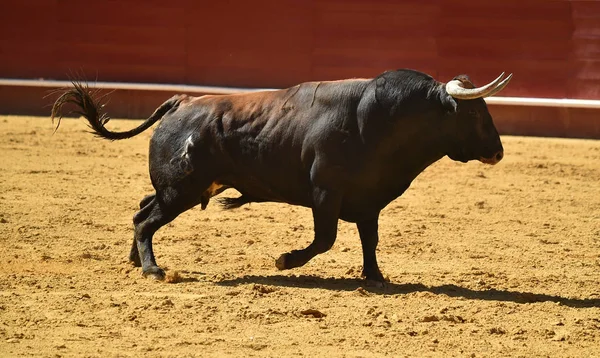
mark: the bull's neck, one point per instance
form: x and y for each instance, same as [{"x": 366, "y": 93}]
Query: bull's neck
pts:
[{"x": 417, "y": 149}]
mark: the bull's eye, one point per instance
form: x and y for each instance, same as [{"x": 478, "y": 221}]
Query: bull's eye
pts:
[{"x": 474, "y": 113}]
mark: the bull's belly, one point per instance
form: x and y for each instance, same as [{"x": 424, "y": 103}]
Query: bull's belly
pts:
[
  {"x": 354, "y": 207},
  {"x": 284, "y": 191},
  {"x": 365, "y": 202}
]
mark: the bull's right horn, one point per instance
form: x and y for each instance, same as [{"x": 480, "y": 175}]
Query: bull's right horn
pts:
[{"x": 456, "y": 89}]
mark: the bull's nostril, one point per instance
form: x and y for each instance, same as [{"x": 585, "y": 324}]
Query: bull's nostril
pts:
[{"x": 499, "y": 156}]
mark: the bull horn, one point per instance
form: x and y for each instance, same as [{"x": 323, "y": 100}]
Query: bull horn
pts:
[
  {"x": 500, "y": 86},
  {"x": 456, "y": 89}
]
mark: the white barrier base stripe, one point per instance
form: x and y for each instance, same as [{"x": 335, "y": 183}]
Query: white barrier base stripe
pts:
[
  {"x": 505, "y": 101},
  {"x": 544, "y": 102}
]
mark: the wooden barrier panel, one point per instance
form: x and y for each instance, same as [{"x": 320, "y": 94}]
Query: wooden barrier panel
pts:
[{"x": 552, "y": 47}]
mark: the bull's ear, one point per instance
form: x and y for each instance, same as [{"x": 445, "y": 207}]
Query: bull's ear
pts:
[
  {"x": 448, "y": 102},
  {"x": 465, "y": 80}
]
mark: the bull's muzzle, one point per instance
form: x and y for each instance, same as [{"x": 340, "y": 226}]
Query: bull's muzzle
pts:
[{"x": 493, "y": 160}]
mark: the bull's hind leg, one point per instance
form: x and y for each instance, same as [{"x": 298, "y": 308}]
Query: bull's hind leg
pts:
[
  {"x": 159, "y": 211},
  {"x": 325, "y": 215},
  {"x": 134, "y": 254}
]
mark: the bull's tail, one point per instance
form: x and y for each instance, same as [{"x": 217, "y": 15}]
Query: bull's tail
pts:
[
  {"x": 234, "y": 203},
  {"x": 91, "y": 109}
]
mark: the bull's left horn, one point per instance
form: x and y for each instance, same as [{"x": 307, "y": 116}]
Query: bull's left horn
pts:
[{"x": 456, "y": 89}]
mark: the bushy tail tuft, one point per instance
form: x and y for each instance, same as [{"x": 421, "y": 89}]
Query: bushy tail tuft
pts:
[
  {"x": 234, "y": 203},
  {"x": 86, "y": 106},
  {"x": 90, "y": 107}
]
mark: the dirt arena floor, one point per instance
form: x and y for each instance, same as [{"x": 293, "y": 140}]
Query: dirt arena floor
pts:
[{"x": 483, "y": 261}]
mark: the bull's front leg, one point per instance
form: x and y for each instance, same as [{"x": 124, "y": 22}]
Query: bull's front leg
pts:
[
  {"x": 326, "y": 211},
  {"x": 369, "y": 238}
]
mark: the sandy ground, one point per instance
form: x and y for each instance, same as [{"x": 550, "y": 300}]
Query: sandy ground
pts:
[{"x": 483, "y": 261}]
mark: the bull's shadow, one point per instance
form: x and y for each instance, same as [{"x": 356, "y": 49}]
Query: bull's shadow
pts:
[{"x": 349, "y": 284}]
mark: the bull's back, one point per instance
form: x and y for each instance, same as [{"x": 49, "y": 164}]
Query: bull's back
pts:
[{"x": 269, "y": 139}]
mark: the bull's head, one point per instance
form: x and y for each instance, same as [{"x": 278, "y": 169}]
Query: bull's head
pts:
[{"x": 474, "y": 133}]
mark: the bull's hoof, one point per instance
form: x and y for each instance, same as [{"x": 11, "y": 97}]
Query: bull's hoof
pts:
[
  {"x": 155, "y": 273},
  {"x": 374, "y": 277},
  {"x": 280, "y": 262},
  {"x": 376, "y": 284}
]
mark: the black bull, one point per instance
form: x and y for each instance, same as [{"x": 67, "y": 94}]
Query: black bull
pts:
[{"x": 345, "y": 149}]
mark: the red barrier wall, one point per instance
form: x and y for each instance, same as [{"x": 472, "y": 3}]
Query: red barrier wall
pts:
[{"x": 552, "y": 47}]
